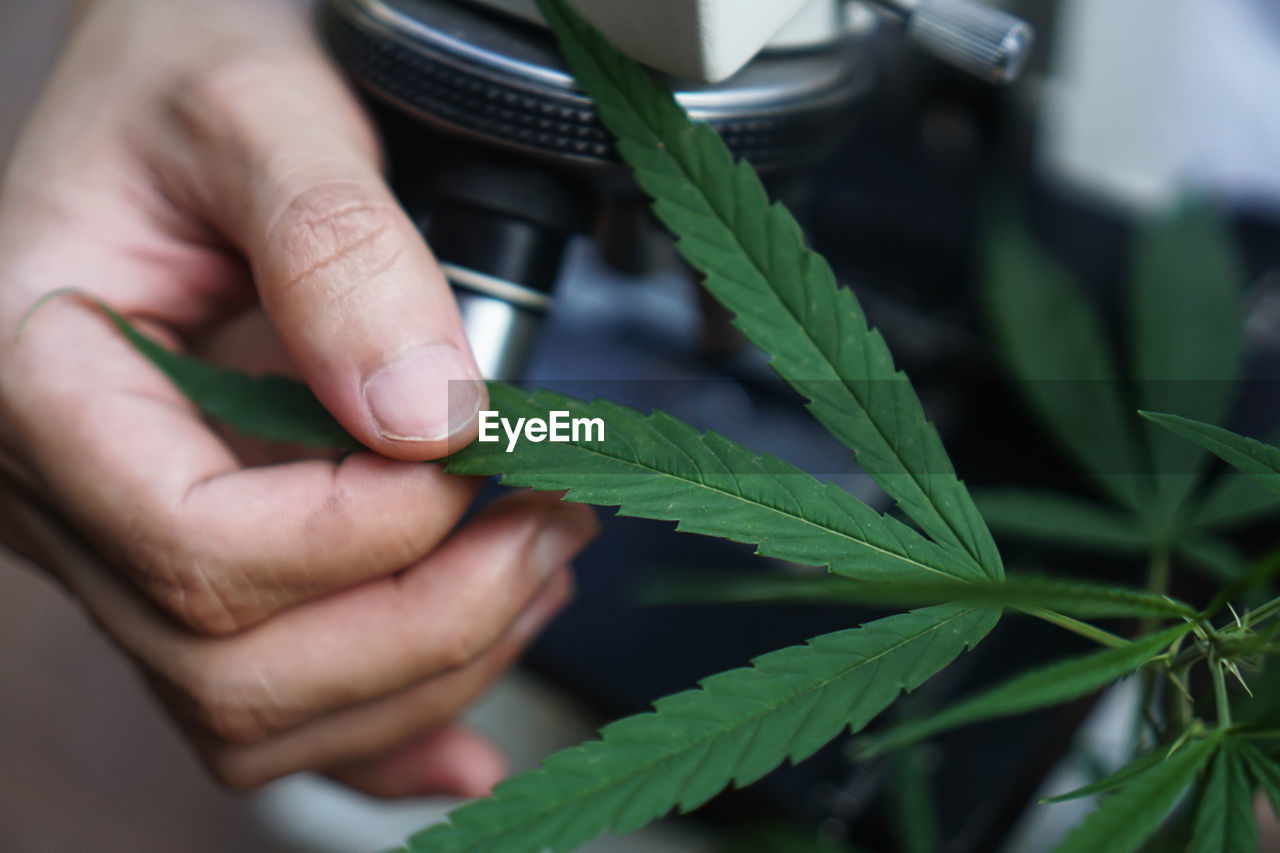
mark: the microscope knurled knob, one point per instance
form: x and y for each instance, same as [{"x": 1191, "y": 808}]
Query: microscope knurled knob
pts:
[{"x": 984, "y": 41}]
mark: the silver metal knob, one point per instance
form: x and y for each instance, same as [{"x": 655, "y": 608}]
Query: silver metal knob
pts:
[{"x": 984, "y": 41}]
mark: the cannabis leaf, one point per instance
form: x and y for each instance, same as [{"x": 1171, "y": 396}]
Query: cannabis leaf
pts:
[
  {"x": 737, "y": 726},
  {"x": 1186, "y": 320},
  {"x": 1052, "y": 342},
  {"x": 784, "y": 296},
  {"x": 652, "y": 467},
  {"x": 1185, "y": 353},
  {"x": 273, "y": 408},
  {"x": 1125, "y": 821},
  {"x": 1260, "y": 461},
  {"x": 1058, "y": 517},
  {"x": 1070, "y": 597},
  {"x": 1265, "y": 772},
  {"x": 1213, "y": 556},
  {"x": 741, "y": 724},
  {"x": 1038, "y": 688},
  {"x": 658, "y": 467},
  {"x": 1081, "y": 523},
  {"x": 1116, "y": 780},
  {"x": 1224, "y": 818},
  {"x": 1236, "y": 500}
]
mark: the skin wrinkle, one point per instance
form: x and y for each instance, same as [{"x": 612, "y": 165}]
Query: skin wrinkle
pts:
[
  {"x": 342, "y": 250},
  {"x": 361, "y": 292},
  {"x": 259, "y": 712},
  {"x": 407, "y": 550},
  {"x": 209, "y": 613},
  {"x": 357, "y": 196},
  {"x": 258, "y": 604},
  {"x": 153, "y": 570},
  {"x": 201, "y": 571},
  {"x": 177, "y": 211},
  {"x": 233, "y": 713}
]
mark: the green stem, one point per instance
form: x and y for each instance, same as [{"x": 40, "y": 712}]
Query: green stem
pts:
[
  {"x": 1264, "y": 612},
  {"x": 1157, "y": 584},
  {"x": 1075, "y": 626},
  {"x": 1220, "y": 693}
]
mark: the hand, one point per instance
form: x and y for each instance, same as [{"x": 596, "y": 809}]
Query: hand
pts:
[{"x": 188, "y": 161}]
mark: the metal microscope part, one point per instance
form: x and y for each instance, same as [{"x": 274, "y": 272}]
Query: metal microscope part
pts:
[
  {"x": 501, "y": 333},
  {"x": 984, "y": 41},
  {"x": 498, "y": 221},
  {"x": 474, "y": 72},
  {"x": 499, "y": 226}
]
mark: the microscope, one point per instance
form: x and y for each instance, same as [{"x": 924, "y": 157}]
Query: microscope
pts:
[{"x": 499, "y": 158}]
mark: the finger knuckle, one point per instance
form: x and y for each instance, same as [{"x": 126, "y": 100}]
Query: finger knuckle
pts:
[
  {"x": 333, "y": 236},
  {"x": 234, "y": 706},
  {"x": 191, "y": 589},
  {"x": 230, "y": 769},
  {"x": 456, "y": 648},
  {"x": 213, "y": 100}
]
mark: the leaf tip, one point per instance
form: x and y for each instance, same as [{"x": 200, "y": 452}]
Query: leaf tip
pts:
[{"x": 45, "y": 300}]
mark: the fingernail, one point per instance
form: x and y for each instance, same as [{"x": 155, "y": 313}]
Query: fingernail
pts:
[
  {"x": 426, "y": 396},
  {"x": 559, "y": 540}
]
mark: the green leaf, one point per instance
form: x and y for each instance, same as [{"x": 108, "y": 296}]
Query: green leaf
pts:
[
  {"x": 1260, "y": 461},
  {"x": 1048, "y": 685},
  {"x": 1126, "y": 820},
  {"x": 1234, "y": 501},
  {"x": 1247, "y": 583},
  {"x": 1070, "y": 597},
  {"x": 658, "y": 467},
  {"x": 1185, "y": 304},
  {"x": 1265, "y": 771},
  {"x": 1051, "y": 341},
  {"x": 1224, "y": 818},
  {"x": 736, "y": 727},
  {"x": 272, "y": 408},
  {"x": 1062, "y": 519},
  {"x": 1214, "y": 557},
  {"x": 1116, "y": 780},
  {"x": 915, "y": 809},
  {"x": 655, "y": 467},
  {"x": 784, "y": 296}
]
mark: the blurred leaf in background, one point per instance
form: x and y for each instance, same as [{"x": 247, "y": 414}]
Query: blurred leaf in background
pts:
[{"x": 1184, "y": 355}]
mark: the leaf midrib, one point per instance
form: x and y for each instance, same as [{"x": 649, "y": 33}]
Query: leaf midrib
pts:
[
  {"x": 791, "y": 314},
  {"x": 778, "y": 510},
  {"x": 744, "y": 721}
]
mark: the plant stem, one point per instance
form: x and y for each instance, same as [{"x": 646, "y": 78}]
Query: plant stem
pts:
[
  {"x": 1264, "y": 612},
  {"x": 1220, "y": 693},
  {"x": 1157, "y": 583},
  {"x": 1075, "y": 626}
]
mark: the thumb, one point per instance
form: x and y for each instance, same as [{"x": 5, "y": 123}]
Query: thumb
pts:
[{"x": 287, "y": 166}]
